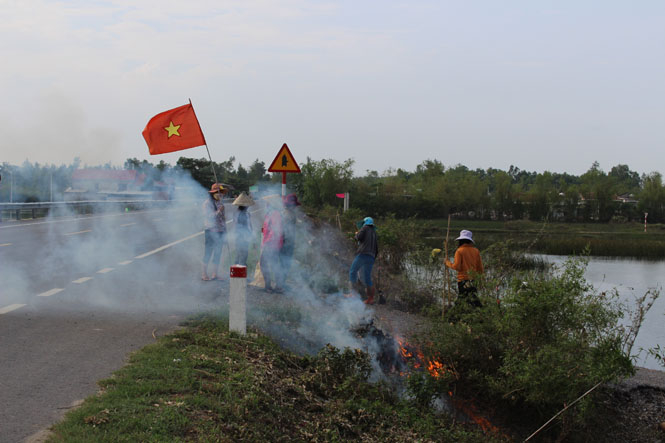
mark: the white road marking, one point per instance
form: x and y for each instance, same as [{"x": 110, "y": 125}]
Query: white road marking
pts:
[
  {"x": 127, "y": 224},
  {"x": 161, "y": 248},
  {"x": 6, "y": 244},
  {"x": 126, "y": 262},
  {"x": 79, "y": 232},
  {"x": 10, "y": 308},
  {"x": 82, "y": 280},
  {"x": 105, "y": 270},
  {"x": 50, "y": 293}
]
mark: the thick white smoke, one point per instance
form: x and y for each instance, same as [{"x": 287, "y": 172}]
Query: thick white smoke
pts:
[{"x": 149, "y": 260}]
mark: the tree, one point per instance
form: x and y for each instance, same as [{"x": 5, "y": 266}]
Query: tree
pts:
[
  {"x": 542, "y": 196},
  {"x": 627, "y": 181},
  {"x": 503, "y": 194},
  {"x": 257, "y": 172},
  {"x": 320, "y": 181},
  {"x": 652, "y": 197},
  {"x": 598, "y": 190}
]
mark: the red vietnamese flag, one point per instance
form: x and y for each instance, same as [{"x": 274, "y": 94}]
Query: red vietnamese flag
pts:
[{"x": 173, "y": 130}]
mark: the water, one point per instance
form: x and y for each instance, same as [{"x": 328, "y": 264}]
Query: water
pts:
[{"x": 632, "y": 278}]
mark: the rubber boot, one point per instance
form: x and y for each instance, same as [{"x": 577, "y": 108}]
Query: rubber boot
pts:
[{"x": 370, "y": 295}]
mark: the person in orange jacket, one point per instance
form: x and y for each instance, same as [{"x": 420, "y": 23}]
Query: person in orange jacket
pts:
[{"x": 468, "y": 264}]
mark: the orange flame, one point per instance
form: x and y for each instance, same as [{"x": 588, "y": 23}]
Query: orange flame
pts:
[
  {"x": 437, "y": 369},
  {"x": 471, "y": 411}
]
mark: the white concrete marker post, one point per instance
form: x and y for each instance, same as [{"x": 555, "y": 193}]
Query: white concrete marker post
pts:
[{"x": 237, "y": 299}]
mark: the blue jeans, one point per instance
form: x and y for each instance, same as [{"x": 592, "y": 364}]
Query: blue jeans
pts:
[
  {"x": 214, "y": 242},
  {"x": 365, "y": 262}
]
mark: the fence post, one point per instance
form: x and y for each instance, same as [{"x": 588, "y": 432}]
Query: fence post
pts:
[{"x": 237, "y": 299}]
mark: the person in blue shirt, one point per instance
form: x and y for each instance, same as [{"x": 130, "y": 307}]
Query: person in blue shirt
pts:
[{"x": 365, "y": 255}]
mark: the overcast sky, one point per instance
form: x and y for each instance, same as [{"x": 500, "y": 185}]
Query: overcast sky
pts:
[{"x": 543, "y": 85}]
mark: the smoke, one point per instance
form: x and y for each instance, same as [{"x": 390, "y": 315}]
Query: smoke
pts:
[
  {"x": 56, "y": 128},
  {"x": 315, "y": 308},
  {"x": 149, "y": 260},
  {"x": 95, "y": 258}
]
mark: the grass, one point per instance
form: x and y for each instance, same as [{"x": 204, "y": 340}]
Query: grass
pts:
[
  {"x": 203, "y": 383},
  {"x": 603, "y": 239}
]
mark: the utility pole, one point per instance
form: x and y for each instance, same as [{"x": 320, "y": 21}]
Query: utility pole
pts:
[
  {"x": 51, "y": 187},
  {"x": 11, "y": 186}
]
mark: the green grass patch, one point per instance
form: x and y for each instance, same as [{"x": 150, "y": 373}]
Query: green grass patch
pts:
[
  {"x": 603, "y": 239},
  {"x": 203, "y": 383}
]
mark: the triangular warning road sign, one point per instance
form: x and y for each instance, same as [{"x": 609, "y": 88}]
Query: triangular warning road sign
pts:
[{"x": 284, "y": 161}]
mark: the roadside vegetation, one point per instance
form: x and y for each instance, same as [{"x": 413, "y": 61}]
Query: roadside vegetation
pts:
[
  {"x": 202, "y": 383},
  {"x": 537, "y": 343},
  {"x": 542, "y": 338}
]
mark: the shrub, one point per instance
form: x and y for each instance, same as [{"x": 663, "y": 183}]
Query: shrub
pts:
[
  {"x": 397, "y": 239},
  {"x": 550, "y": 339}
]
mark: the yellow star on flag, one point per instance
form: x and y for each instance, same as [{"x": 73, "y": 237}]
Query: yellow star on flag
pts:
[{"x": 173, "y": 130}]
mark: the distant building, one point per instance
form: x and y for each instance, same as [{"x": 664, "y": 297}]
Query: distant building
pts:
[{"x": 626, "y": 198}]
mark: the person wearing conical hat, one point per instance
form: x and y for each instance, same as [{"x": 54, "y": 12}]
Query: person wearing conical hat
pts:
[
  {"x": 243, "y": 227},
  {"x": 214, "y": 221},
  {"x": 468, "y": 265}
]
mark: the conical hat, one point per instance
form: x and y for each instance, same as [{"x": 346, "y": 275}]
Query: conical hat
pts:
[{"x": 243, "y": 200}]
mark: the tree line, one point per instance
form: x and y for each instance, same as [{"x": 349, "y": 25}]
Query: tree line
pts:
[{"x": 432, "y": 190}]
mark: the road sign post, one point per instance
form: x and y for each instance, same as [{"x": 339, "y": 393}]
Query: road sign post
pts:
[{"x": 284, "y": 163}]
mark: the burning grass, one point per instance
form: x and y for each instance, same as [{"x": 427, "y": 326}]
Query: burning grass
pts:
[{"x": 203, "y": 383}]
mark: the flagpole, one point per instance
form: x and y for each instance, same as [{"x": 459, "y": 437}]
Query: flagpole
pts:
[{"x": 212, "y": 165}]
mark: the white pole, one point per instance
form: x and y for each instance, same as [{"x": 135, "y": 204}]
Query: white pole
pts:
[
  {"x": 51, "y": 187},
  {"x": 237, "y": 299},
  {"x": 11, "y": 186}
]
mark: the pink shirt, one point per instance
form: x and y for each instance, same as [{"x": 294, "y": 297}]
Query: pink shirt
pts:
[{"x": 273, "y": 235}]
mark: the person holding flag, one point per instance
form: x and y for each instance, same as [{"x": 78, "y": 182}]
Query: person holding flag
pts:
[
  {"x": 214, "y": 220},
  {"x": 178, "y": 129}
]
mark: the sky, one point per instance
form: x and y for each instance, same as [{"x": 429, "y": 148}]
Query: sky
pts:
[{"x": 542, "y": 85}]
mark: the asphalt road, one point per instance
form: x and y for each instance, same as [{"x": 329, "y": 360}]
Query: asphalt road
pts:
[{"x": 78, "y": 294}]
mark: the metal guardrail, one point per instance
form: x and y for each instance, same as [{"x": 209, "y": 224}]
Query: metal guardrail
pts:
[{"x": 16, "y": 210}]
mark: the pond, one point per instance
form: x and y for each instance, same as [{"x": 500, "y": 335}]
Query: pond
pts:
[{"x": 632, "y": 278}]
